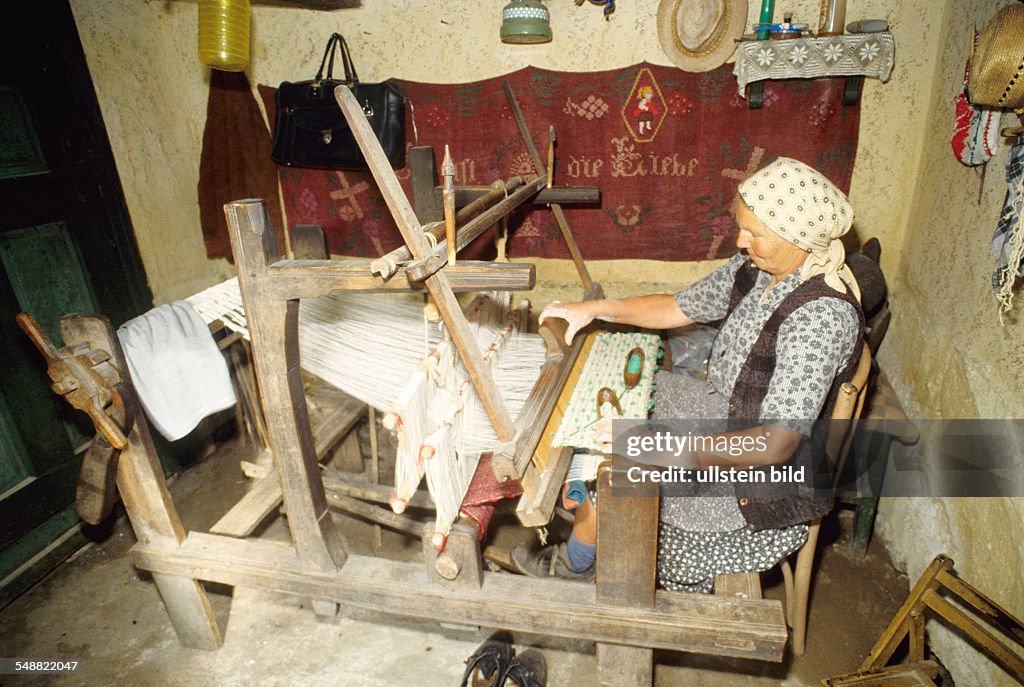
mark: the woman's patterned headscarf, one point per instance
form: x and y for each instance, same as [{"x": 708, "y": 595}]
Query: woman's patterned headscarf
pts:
[{"x": 802, "y": 206}]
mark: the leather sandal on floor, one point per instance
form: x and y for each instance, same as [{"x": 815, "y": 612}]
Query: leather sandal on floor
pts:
[
  {"x": 487, "y": 666},
  {"x": 528, "y": 669}
]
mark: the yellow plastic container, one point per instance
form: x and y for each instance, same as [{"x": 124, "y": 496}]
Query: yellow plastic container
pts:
[{"x": 224, "y": 34}]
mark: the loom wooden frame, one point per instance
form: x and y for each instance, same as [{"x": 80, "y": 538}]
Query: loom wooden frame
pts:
[{"x": 623, "y": 613}]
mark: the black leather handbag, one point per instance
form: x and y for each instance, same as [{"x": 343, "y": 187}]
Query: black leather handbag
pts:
[{"x": 311, "y": 131}]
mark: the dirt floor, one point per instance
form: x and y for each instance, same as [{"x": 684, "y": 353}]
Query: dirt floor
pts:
[{"x": 98, "y": 609}]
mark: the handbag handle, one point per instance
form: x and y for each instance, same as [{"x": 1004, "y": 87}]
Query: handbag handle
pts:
[{"x": 334, "y": 43}]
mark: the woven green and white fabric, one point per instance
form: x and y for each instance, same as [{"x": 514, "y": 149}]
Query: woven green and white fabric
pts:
[{"x": 604, "y": 368}]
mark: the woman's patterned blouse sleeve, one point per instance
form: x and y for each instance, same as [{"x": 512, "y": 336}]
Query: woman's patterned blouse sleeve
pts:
[{"x": 707, "y": 299}]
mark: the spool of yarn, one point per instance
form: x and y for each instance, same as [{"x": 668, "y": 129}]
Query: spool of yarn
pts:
[
  {"x": 224, "y": 34},
  {"x": 634, "y": 367}
]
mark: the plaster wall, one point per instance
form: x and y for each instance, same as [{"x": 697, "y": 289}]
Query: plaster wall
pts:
[
  {"x": 946, "y": 352},
  {"x": 156, "y": 136}
]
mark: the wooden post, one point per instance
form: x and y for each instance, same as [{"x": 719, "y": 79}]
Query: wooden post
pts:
[
  {"x": 147, "y": 501},
  {"x": 460, "y": 565},
  {"x": 627, "y": 556},
  {"x": 448, "y": 198},
  {"x": 424, "y": 177},
  {"x": 273, "y": 328}
]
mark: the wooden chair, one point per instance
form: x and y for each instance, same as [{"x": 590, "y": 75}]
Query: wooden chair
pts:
[
  {"x": 939, "y": 590},
  {"x": 844, "y": 422},
  {"x": 797, "y": 578}
]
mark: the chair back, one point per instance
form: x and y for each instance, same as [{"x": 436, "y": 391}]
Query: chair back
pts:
[
  {"x": 846, "y": 412},
  {"x": 876, "y": 327},
  {"x": 874, "y": 292}
]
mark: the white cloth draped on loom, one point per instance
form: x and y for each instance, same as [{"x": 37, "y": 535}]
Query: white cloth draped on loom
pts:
[{"x": 178, "y": 371}]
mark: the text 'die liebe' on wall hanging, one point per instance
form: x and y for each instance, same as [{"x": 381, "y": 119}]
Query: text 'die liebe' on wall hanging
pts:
[{"x": 667, "y": 148}]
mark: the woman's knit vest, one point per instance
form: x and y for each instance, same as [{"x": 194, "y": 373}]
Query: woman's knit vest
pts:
[{"x": 766, "y": 504}]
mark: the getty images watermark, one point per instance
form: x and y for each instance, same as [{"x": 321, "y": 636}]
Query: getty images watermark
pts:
[
  {"x": 653, "y": 446},
  {"x": 944, "y": 458}
]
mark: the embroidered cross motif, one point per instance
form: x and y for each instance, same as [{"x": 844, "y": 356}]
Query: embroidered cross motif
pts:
[
  {"x": 349, "y": 192},
  {"x": 741, "y": 174}
]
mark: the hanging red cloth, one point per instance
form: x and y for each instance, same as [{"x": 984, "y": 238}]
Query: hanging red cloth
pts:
[{"x": 235, "y": 161}]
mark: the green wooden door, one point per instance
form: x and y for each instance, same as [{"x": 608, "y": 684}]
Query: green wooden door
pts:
[{"x": 66, "y": 245}]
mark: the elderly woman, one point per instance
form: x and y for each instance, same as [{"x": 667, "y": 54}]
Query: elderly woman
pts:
[{"x": 791, "y": 328}]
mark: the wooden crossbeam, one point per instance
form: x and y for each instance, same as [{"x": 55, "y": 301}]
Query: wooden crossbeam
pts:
[
  {"x": 386, "y": 265},
  {"x": 437, "y": 284},
  {"x": 312, "y": 278},
  {"x": 683, "y": 622},
  {"x": 422, "y": 268}
]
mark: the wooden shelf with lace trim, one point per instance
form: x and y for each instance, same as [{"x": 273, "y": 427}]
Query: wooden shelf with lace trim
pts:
[{"x": 852, "y": 55}]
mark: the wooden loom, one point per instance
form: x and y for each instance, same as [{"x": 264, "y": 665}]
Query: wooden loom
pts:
[{"x": 623, "y": 612}]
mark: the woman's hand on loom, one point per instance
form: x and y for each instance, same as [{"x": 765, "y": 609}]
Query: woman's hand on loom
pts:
[{"x": 576, "y": 315}]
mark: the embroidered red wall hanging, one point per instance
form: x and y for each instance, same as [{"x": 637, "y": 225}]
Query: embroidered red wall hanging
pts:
[{"x": 667, "y": 149}]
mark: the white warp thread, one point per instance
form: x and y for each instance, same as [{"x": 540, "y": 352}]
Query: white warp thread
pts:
[{"x": 372, "y": 346}]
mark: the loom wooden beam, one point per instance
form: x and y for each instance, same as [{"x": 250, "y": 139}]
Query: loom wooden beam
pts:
[
  {"x": 288, "y": 279},
  {"x": 378, "y": 514},
  {"x": 745, "y": 585},
  {"x": 494, "y": 193},
  {"x": 560, "y": 195},
  {"x": 460, "y": 564},
  {"x": 308, "y": 242},
  {"x": 273, "y": 330},
  {"x": 556, "y": 210},
  {"x": 448, "y": 203},
  {"x": 244, "y": 517},
  {"x": 437, "y": 285},
  {"x": 677, "y": 621},
  {"x": 542, "y": 488},
  {"x": 427, "y": 192},
  {"x": 265, "y": 496},
  {"x": 386, "y": 265},
  {"x": 420, "y": 269},
  {"x": 539, "y": 421},
  {"x": 426, "y": 195},
  {"x": 540, "y": 416},
  {"x": 378, "y": 493}
]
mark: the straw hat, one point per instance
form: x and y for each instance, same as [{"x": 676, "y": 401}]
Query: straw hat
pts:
[
  {"x": 699, "y": 35},
  {"x": 997, "y": 65}
]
